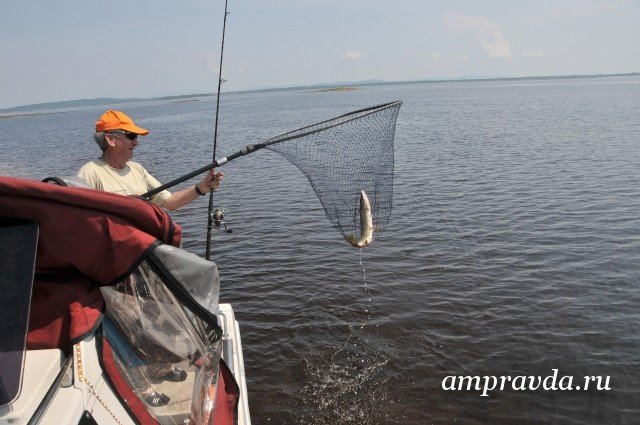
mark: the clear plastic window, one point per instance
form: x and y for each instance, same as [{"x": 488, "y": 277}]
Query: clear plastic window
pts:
[{"x": 166, "y": 353}]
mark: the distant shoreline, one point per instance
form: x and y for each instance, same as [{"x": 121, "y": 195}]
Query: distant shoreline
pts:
[
  {"x": 70, "y": 105},
  {"x": 33, "y": 113},
  {"x": 332, "y": 89},
  {"x": 185, "y": 101}
]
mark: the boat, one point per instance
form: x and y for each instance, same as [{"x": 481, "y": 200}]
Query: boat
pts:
[{"x": 105, "y": 319}]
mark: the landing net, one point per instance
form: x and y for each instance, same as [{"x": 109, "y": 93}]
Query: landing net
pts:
[{"x": 342, "y": 157}]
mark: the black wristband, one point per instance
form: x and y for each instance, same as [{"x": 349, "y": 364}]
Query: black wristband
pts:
[{"x": 198, "y": 191}]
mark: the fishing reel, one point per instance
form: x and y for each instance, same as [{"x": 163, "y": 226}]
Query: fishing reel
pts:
[{"x": 217, "y": 218}]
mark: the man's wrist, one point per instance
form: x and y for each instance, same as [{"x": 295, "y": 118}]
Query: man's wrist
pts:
[{"x": 198, "y": 191}]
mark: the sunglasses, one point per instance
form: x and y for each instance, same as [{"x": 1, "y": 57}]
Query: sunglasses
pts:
[{"x": 128, "y": 135}]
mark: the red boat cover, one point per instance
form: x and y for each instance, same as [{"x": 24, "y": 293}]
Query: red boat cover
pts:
[{"x": 87, "y": 238}]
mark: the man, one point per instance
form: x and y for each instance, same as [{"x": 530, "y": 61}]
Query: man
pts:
[{"x": 117, "y": 136}]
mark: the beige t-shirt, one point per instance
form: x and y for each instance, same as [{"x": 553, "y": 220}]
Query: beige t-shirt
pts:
[{"x": 133, "y": 179}]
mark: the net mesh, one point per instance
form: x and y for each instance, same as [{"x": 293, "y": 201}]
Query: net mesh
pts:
[{"x": 343, "y": 156}]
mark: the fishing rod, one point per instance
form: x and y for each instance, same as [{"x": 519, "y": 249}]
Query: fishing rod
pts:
[{"x": 210, "y": 214}]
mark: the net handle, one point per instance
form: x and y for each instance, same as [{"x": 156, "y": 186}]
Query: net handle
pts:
[{"x": 215, "y": 164}]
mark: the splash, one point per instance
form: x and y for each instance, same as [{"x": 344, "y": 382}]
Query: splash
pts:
[{"x": 345, "y": 386}]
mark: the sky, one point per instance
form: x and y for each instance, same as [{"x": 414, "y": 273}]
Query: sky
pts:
[{"x": 65, "y": 50}]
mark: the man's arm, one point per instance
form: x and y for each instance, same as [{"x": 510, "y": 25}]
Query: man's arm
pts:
[{"x": 179, "y": 199}]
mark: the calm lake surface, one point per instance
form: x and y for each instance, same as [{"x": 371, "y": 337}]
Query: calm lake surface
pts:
[{"x": 512, "y": 248}]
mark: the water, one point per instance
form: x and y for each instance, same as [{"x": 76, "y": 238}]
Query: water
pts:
[{"x": 512, "y": 248}]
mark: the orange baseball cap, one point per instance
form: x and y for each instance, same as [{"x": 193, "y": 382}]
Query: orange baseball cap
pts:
[{"x": 117, "y": 120}]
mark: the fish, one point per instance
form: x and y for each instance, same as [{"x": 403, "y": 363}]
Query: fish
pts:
[{"x": 366, "y": 224}]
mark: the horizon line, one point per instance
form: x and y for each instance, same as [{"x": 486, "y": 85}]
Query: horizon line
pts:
[{"x": 368, "y": 82}]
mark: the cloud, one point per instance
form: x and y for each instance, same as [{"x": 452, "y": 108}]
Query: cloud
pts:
[
  {"x": 351, "y": 55},
  {"x": 534, "y": 54},
  {"x": 487, "y": 33},
  {"x": 440, "y": 57}
]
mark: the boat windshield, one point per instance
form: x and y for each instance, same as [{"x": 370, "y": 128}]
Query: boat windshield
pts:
[{"x": 18, "y": 241}]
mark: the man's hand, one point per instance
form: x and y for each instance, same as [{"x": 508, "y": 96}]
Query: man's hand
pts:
[
  {"x": 179, "y": 199},
  {"x": 211, "y": 181}
]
